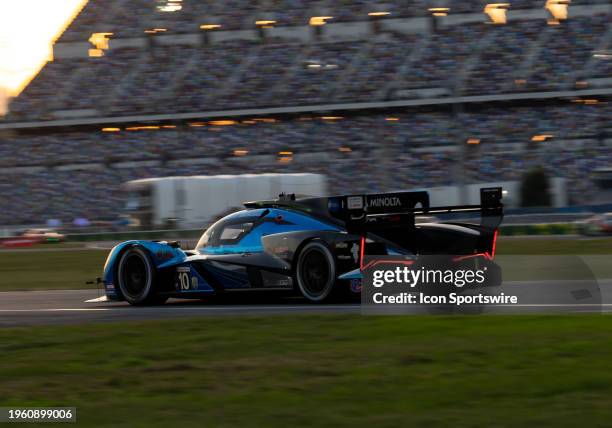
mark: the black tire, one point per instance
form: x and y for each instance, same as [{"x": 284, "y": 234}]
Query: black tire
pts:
[
  {"x": 315, "y": 272},
  {"x": 136, "y": 278}
]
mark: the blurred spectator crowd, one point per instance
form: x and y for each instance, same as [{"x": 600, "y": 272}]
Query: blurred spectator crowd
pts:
[
  {"x": 469, "y": 59},
  {"x": 79, "y": 173},
  {"x": 127, "y": 18}
]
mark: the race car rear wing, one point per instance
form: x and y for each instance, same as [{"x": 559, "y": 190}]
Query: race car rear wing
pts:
[{"x": 356, "y": 211}]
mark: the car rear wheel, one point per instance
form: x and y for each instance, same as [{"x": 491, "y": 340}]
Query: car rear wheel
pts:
[
  {"x": 136, "y": 277},
  {"x": 316, "y": 271}
]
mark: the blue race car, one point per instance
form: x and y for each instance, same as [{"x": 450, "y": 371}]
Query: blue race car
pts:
[{"x": 310, "y": 246}]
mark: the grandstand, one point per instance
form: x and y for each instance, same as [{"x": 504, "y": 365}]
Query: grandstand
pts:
[{"x": 382, "y": 96}]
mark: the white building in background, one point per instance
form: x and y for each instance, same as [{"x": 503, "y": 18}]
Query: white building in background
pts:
[{"x": 196, "y": 201}]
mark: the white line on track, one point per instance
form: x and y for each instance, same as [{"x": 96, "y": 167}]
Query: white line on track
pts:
[
  {"x": 270, "y": 307},
  {"x": 238, "y": 307},
  {"x": 52, "y": 291},
  {"x": 56, "y": 310},
  {"x": 537, "y": 305},
  {"x": 97, "y": 299},
  {"x": 186, "y": 308}
]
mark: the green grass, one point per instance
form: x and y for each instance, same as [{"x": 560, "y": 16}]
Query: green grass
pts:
[
  {"x": 554, "y": 246},
  {"x": 51, "y": 246},
  {"x": 44, "y": 270},
  {"x": 525, "y": 259},
  {"x": 318, "y": 371},
  {"x": 47, "y": 269}
]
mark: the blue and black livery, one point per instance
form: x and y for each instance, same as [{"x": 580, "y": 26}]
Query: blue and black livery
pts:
[{"x": 310, "y": 246}]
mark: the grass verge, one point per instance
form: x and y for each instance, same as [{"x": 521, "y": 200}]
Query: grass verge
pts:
[
  {"x": 318, "y": 371},
  {"x": 46, "y": 270},
  {"x": 554, "y": 246}
]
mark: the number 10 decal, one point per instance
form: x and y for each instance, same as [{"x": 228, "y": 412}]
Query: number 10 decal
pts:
[{"x": 185, "y": 280}]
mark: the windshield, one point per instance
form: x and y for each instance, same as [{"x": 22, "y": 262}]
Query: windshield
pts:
[
  {"x": 203, "y": 242},
  {"x": 230, "y": 229}
]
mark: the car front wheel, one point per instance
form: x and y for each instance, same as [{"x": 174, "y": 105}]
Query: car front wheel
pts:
[{"x": 136, "y": 277}]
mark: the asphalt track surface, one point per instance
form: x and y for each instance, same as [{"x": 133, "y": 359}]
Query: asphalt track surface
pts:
[
  {"x": 71, "y": 306},
  {"x": 21, "y": 308}
]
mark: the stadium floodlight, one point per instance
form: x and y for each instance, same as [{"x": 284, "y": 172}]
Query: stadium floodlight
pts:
[
  {"x": 602, "y": 54},
  {"x": 142, "y": 128},
  {"x": 497, "y": 13},
  {"x": 581, "y": 84},
  {"x": 170, "y": 6},
  {"x": 439, "y": 11},
  {"x": 265, "y": 23},
  {"x": 317, "y": 21},
  {"x": 210, "y": 26},
  {"x": 541, "y": 137},
  {"x": 316, "y": 65},
  {"x": 379, "y": 13},
  {"x": 558, "y": 9},
  {"x": 100, "y": 41},
  {"x": 285, "y": 156},
  {"x": 156, "y": 30}
]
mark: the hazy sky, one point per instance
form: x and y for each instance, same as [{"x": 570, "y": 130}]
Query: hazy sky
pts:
[{"x": 27, "y": 31}]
